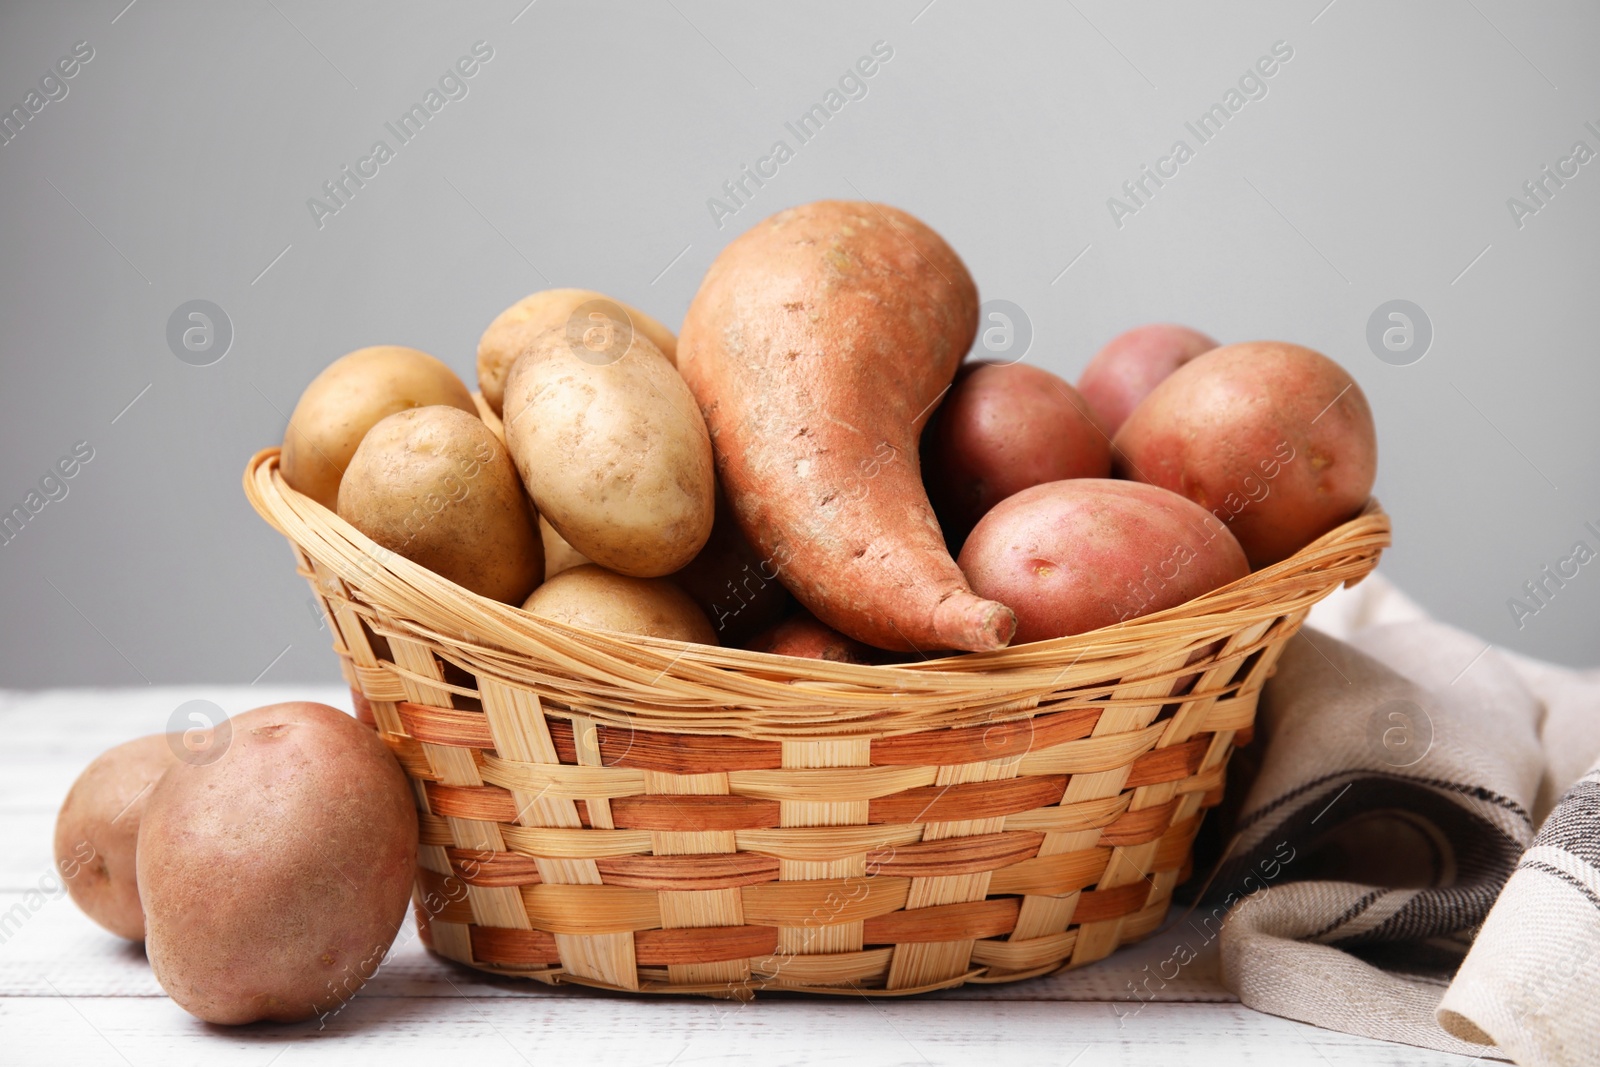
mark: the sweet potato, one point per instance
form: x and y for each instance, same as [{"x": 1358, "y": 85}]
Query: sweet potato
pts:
[
  {"x": 1123, "y": 372},
  {"x": 1001, "y": 429},
  {"x": 817, "y": 347},
  {"x": 1074, "y": 556},
  {"x": 1271, "y": 438},
  {"x": 807, "y": 637}
]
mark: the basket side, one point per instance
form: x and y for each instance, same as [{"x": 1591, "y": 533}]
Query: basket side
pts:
[{"x": 744, "y": 822}]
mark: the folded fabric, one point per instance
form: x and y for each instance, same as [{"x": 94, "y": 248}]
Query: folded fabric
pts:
[
  {"x": 1530, "y": 982},
  {"x": 1401, "y": 775}
]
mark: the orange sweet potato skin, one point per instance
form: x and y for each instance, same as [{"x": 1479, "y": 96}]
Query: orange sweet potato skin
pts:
[
  {"x": 803, "y": 635},
  {"x": 817, "y": 347}
]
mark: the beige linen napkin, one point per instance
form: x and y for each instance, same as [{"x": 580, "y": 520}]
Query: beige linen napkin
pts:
[{"x": 1402, "y": 774}]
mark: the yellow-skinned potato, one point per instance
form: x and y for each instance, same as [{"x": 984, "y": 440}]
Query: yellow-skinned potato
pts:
[
  {"x": 436, "y": 486},
  {"x": 614, "y": 452},
  {"x": 347, "y": 399},
  {"x": 558, "y": 555},
  {"x": 549, "y": 309},
  {"x": 594, "y": 597}
]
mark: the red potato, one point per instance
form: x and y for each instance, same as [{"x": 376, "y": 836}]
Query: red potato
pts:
[
  {"x": 1274, "y": 439},
  {"x": 817, "y": 346},
  {"x": 1123, "y": 372},
  {"x": 805, "y": 636},
  {"x": 275, "y": 877},
  {"x": 1001, "y": 429},
  {"x": 1073, "y": 556},
  {"x": 98, "y": 828}
]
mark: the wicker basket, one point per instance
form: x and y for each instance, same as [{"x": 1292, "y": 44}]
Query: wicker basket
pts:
[{"x": 643, "y": 814}]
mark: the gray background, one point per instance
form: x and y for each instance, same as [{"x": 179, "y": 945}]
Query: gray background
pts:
[{"x": 179, "y": 165}]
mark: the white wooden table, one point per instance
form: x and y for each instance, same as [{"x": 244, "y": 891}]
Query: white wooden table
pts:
[{"x": 71, "y": 993}]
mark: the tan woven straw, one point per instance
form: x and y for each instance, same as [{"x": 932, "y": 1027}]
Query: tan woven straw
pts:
[{"x": 643, "y": 814}]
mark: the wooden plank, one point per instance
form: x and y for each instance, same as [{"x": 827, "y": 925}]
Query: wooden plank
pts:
[{"x": 598, "y": 1029}]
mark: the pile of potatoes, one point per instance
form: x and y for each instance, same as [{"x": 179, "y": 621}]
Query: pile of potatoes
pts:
[
  {"x": 814, "y": 471},
  {"x": 1175, "y": 467},
  {"x": 578, "y": 483}
]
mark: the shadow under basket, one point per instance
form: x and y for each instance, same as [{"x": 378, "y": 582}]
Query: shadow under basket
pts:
[{"x": 647, "y": 815}]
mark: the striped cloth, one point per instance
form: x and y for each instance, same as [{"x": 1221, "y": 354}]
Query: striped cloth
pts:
[{"x": 1412, "y": 845}]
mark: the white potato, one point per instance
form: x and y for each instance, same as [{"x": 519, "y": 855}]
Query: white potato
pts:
[{"x": 613, "y": 450}]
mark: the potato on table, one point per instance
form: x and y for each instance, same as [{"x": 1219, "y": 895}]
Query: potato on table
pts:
[
  {"x": 275, "y": 877},
  {"x": 98, "y": 828}
]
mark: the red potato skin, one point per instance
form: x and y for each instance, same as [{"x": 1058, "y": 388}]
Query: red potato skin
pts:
[
  {"x": 818, "y": 345},
  {"x": 1073, "y": 556},
  {"x": 1002, "y": 429},
  {"x": 98, "y": 828},
  {"x": 1274, "y": 439},
  {"x": 274, "y": 878},
  {"x": 805, "y": 636},
  {"x": 1132, "y": 364}
]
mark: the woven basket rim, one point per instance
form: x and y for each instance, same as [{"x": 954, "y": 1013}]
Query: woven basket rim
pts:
[{"x": 661, "y": 667}]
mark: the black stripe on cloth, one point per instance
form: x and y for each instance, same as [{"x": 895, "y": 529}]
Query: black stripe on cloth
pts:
[
  {"x": 1348, "y": 915},
  {"x": 1557, "y": 872},
  {"x": 1452, "y": 908},
  {"x": 1477, "y": 792},
  {"x": 1341, "y": 836},
  {"x": 1574, "y": 825}
]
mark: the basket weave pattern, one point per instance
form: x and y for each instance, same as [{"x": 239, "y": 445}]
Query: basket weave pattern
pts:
[{"x": 642, "y": 814}]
